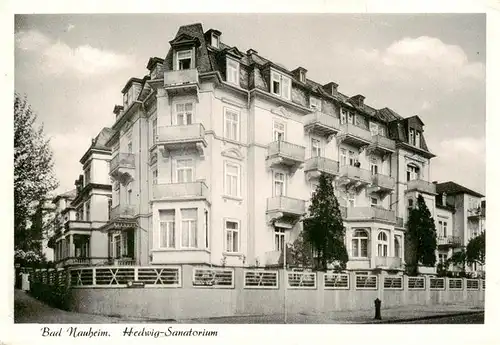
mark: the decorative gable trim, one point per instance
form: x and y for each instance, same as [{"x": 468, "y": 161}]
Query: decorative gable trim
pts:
[
  {"x": 234, "y": 103},
  {"x": 281, "y": 111},
  {"x": 233, "y": 153},
  {"x": 184, "y": 40}
]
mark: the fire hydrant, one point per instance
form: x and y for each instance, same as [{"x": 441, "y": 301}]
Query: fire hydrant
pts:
[{"x": 378, "y": 304}]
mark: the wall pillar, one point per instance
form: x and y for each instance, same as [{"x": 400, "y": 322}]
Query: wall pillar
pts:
[{"x": 71, "y": 251}]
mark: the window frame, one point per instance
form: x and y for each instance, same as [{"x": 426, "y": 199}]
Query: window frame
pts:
[
  {"x": 192, "y": 244},
  {"x": 177, "y": 60},
  {"x": 284, "y": 85},
  {"x": 279, "y": 238},
  {"x": 283, "y": 182},
  {"x": 238, "y": 179},
  {"x": 278, "y": 130},
  {"x": 237, "y": 231},
  {"x": 190, "y": 168},
  {"x": 215, "y": 39},
  {"x": 382, "y": 244},
  {"x": 315, "y": 103},
  {"x": 183, "y": 113},
  {"x": 356, "y": 238},
  {"x": 170, "y": 228},
  {"x": 318, "y": 148},
  {"x": 232, "y": 72},
  {"x": 87, "y": 210},
  {"x": 232, "y": 122}
]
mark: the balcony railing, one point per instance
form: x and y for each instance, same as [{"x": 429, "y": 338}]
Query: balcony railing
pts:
[
  {"x": 122, "y": 160},
  {"x": 476, "y": 212},
  {"x": 388, "y": 262},
  {"x": 287, "y": 150},
  {"x": 180, "y": 77},
  {"x": 354, "y": 173},
  {"x": 383, "y": 181},
  {"x": 180, "y": 134},
  {"x": 322, "y": 164},
  {"x": 322, "y": 123},
  {"x": 180, "y": 190},
  {"x": 422, "y": 186},
  {"x": 123, "y": 211},
  {"x": 384, "y": 142},
  {"x": 286, "y": 205},
  {"x": 369, "y": 213},
  {"x": 78, "y": 225},
  {"x": 351, "y": 130},
  {"x": 449, "y": 240}
]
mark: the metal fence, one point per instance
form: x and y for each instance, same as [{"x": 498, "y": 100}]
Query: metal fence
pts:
[
  {"x": 336, "y": 281},
  {"x": 436, "y": 284},
  {"x": 393, "y": 283},
  {"x": 455, "y": 284},
  {"x": 366, "y": 282},
  {"x": 301, "y": 280},
  {"x": 259, "y": 279},
  {"x": 213, "y": 277},
  {"x": 472, "y": 284},
  {"x": 416, "y": 283}
]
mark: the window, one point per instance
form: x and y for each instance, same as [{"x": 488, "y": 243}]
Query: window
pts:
[
  {"x": 443, "y": 258},
  {"x": 374, "y": 201},
  {"x": 110, "y": 206},
  {"x": 232, "y": 236},
  {"x": 374, "y": 165},
  {"x": 279, "y": 184},
  {"x": 412, "y": 172},
  {"x": 86, "y": 176},
  {"x": 231, "y": 120},
  {"x": 374, "y": 128},
  {"x": 129, "y": 147},
  {"x": 189, "y": 235},
  {"x": 167, "y": 229},
  {"x": 155, "y": 129},
  {"x": 184, "y": 59},
  {"x": 280, "y": 85},
  {"x": 215, "y": 41},
  {"x": 315, "y": 147},
  {"x": 129, "y": 197},
  {"x": 410, "y": 207},
  {"x": 417, "y": 139},
  {"x": 278, "y": 131},
  {"x": 353, "y": 158},
  {"x": 279, "y": 239},
  {"x": 445, "y": 225},
  {"x": 117, "y": 247},
  {"x": 360, "y": 244},
  {"x": 382, "y": 244},
  {"x": 79, "y": 213},
  {"x": 343, "y": 157},
  {"x": 343, "y": 116},
  {"x": 185, "y": 170},
  {"x": 87, "y": 211},
  {"x": 184, "y": 114},
  {"x": 232, "y": 176},
  {"x": 412, "y": 136},
  {"x": 315, "y": 103},
  {"x": 155, "y": 176},
  {"x": 233, "y": 72},
  {"x": 397, "y": 246}
]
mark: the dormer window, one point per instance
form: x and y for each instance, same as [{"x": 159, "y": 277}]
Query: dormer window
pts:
[
  {"x": 184, "y": 59},
  {"x": 315, "y": 103},
  {"x": 125, "y": 100},
  {"x": 215, "y": 40},
  {"x": 302, "y": 76},
  {"x": 280, "y": 85},
  {"x": 412, "y": 136},
  {"x": 233, "y": 72},
  {"x": 417, "y": 139}
]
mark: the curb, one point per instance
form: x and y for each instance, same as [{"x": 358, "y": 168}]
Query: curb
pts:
[{"x": 431, "y": 317}]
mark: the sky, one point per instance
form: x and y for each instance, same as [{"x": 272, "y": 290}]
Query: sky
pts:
[{"x": 72, "y": 69}]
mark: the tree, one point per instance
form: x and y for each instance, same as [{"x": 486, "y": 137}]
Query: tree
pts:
[
  {"x": 421, "y": 236},
  {"x": 476, "y": 249},
  {"x": 301, "y": 252},
  {"x": 323, "y": 226},
  {"x": 458, "y": 259},
  {"x": 33, "y": 173}
]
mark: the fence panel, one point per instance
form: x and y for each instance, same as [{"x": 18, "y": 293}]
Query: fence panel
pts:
[
  {"x": 483, "y": 283},
  {"x": 160, "y": 277},
  {"x": 472, "y": 284},
  {"x": 393, "y": 283},
  {"x": 366, "y": 282},
  {"x": 437, "y": 284},
  {"x": 258, "y": 279},
  {"x": 301, "y": 280},
  {"x": 416, "y": 283},
  {"x": 336, "y": 281},
  {"x": 81, "y": 277},
  {"x": 213, "y": 277},
  {"x": 455, "y": 283}
]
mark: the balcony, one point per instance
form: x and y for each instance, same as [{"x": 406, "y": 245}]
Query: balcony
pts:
[
  {"x": 181, "y": 82},
  {"x": 322, "y": 124},
  {"x": 184, "y": 137},
  {"x": 381, "y": 145},
  {"x": 354, "y": 135},
  {"x": 315, "y": 166},
  {"x": 282, "y": 153},
  {"x": 353, "y": 177},
  {"x": 122, "y": 167},
  {"x": 421, "y": 186},
  {"x": 78, "y": 225},
  {"x": 180, "y": 191},
  {"x": 82, "y": 261},
  {"x": 382, "y": 184},
  {"x": 449, "y": 241},
  {"x": 388, "y": 262},
  {"x": 285, "y": 209},
  {"x": 369, "y": 213},
  {"x": 476, "y": 213},
  {"x": 123, "y": 211}
]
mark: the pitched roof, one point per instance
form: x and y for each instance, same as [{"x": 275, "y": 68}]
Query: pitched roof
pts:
[
  {"x": 451, "y": 187},
  {"x": 66, "y": 195}
]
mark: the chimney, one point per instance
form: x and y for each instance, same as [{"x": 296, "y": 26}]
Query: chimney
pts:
[
  {"x": 212, "y": 36},
  {"x": 357, "y": 100},
  {"x": 252, "y": 51},
  {"x": 300, "y": 74},
  {"x": 331, "y": 88},
  {"x": 118, "y": 110}
]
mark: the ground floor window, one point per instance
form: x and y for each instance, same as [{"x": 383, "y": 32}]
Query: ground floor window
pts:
[
  {"x": 118, "y": 245},
  {"x": 279, "y": 239},
  {"x": 382, "y": 246},
  {"x": 232, "y": 230},
  {"x": 360, "y": 244}
]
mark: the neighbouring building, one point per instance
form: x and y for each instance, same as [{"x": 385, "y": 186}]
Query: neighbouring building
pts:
[
  {"x": 81, "y": 213},
  {"x": 216, "y": 152},
  {"x": 465, "y": 221}
]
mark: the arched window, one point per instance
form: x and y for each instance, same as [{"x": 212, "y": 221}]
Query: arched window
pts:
[
  {"x": 412, "y": 172},
  {"x": 360, "y": 244},
  {"x": 382, "y": 244},
  {"x": 397, "y": 246}
]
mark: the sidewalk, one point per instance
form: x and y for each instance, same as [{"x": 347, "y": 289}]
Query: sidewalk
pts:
[{"x": 392, "y": 315}]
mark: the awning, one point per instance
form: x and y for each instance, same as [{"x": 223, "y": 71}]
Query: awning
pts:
[{"x": 118, "y": 224}]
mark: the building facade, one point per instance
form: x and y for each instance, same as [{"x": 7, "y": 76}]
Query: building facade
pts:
[{"x": 216, "y": 153}]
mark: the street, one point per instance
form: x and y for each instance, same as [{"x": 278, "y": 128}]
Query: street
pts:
[{"x": 462, "y": 319}]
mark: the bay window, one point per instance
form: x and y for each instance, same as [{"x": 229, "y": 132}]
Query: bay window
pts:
[
  {"x": 189, "y": 228},
  {"x": 382, "y": 245},
  {"x": 280, "y": 85},
  {"x": 315, "y": 147},
  {"x": 166, "y": 238},
  {"x": 360, "y": 244}
]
